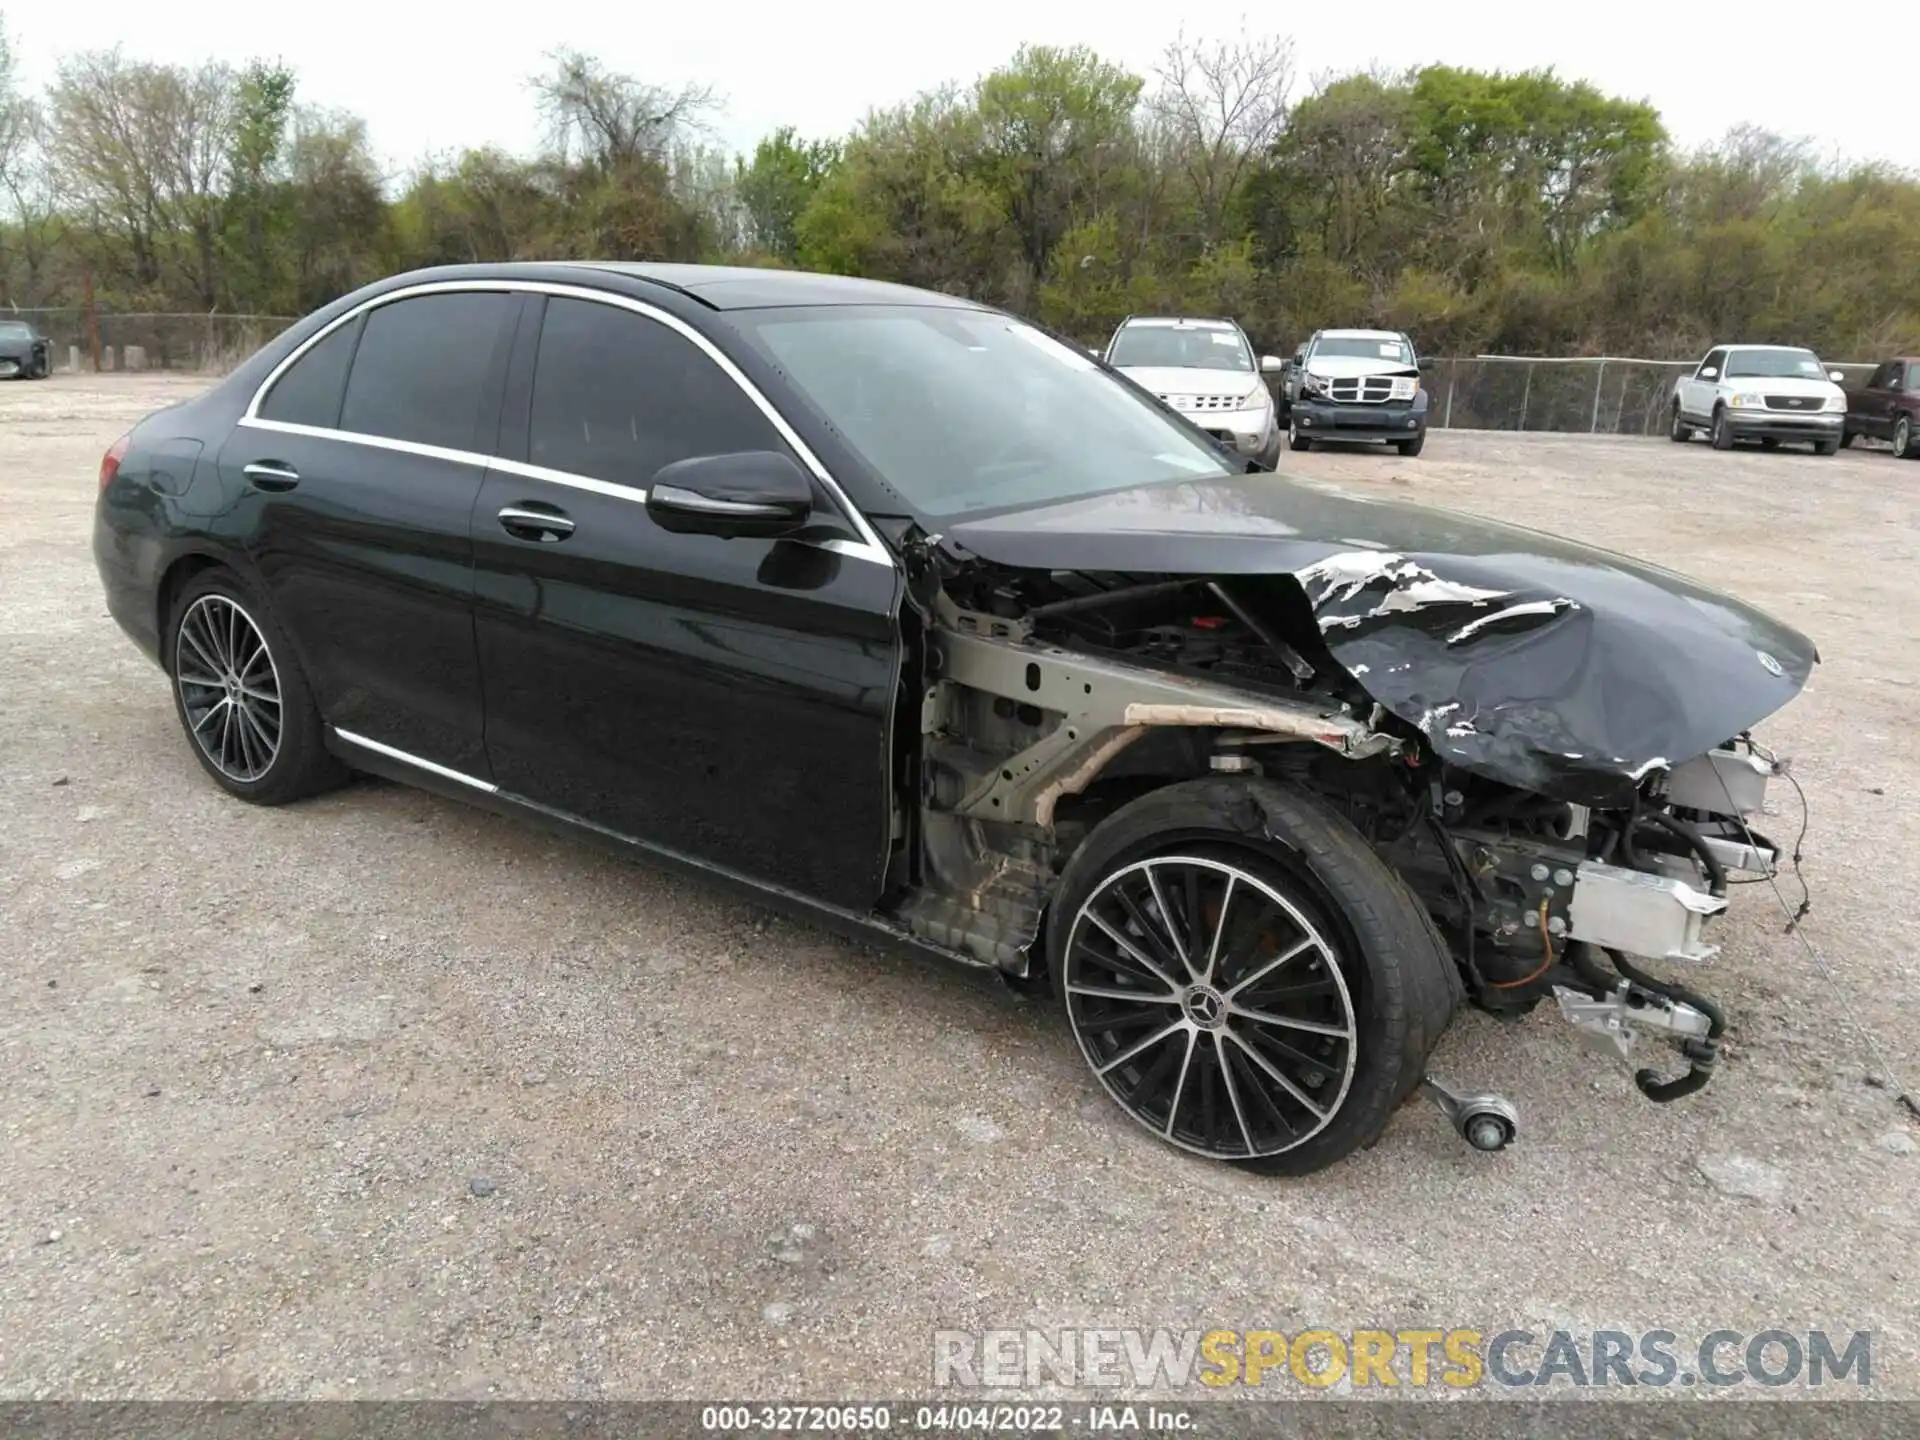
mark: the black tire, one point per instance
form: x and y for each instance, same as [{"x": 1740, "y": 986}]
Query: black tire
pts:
[
  {"x": 1767, "y": 442},
  {"x": 1722, "y": 431},
  {"x": 1378, "y": 956},
  {"x": 1413, "y": 447},
  {"x": 299, "y": 763},
  {"x": 1903, "y": 448},
  {"x": 1678, "y": 430},
  {"x": 1826, "y": 447},
  {"x": 1297, "y": 441},
  {"x": 1847, "y": 437},
  {"x": 1269, "y": 456}
]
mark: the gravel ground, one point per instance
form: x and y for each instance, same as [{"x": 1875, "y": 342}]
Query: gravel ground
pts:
[{"x": 382, "y": 1096}]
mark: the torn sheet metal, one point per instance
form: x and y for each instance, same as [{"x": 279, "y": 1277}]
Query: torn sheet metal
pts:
[{"x": 1552, "y": 666}]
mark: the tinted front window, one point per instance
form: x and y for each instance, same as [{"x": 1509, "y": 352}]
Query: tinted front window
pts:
[
  {"x": 422, "y": 366},
  {"x": 309, "y": 393},
  {"x": 1775, "y": 365},
  {"x": 1182, "y": 347},
  {"x": 1370, "y": 347},
  {"x": 964, "y": 410},
  {"x": 616, "y": 396}
]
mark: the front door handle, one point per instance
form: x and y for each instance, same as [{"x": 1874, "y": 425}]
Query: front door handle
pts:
[
  {"x": 272, "y": 475},
  {"x": 545, "y": 524}
]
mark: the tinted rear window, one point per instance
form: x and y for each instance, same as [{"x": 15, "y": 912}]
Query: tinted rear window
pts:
[
  {"x": 616, "y": 396},
  {"x": 421, "y": 369},
  {"x": 309, "y": 393}
]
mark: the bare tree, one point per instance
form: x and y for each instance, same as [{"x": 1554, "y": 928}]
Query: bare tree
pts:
[
  {"x": 142, "y": 149},
  {"x": 1223, "y": 104},
  {"x": 599, "y": 116}
]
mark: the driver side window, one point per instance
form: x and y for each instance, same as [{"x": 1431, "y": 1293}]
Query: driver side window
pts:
[
  {"x": 1716, "y": 361},
  {"x": 617, "y": 395}
]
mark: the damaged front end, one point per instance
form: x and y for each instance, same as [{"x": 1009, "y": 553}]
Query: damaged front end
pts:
[{"x": 1547, "y": 744}]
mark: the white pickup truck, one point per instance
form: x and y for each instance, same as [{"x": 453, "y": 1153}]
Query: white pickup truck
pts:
[{"x": 1767, "y": 393}]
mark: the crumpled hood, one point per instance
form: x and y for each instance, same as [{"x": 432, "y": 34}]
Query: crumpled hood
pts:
[
  {"x": 1180, "y": 380},
  {"x": 1341, "y": 367},
  {"x": 1549, "y": 665}
]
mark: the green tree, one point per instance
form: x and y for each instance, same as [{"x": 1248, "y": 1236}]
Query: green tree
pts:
[{"x": 778, "y": 184}]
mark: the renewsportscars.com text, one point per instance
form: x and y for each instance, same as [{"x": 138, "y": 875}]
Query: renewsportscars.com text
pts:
[{"x": 1227, "y": 1360}]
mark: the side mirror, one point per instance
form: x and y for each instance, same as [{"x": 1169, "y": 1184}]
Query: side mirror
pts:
[
  {"x": 1300, "y": 356},
  {"x": 1271, "y": 364},
  {"x": 1423, "y": 364},
  {"x": 1837, "y": 376},
  {"x": 752, "y": 493},
  {"x": 1707, "y": 372}
]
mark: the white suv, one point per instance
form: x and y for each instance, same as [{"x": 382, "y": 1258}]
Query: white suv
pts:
[
  {"x": 1767, "y": 393},
  {"x": 1206, "y": 370}
]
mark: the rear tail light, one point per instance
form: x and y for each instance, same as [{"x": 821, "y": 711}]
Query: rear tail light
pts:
[{"x": 110, "y": 462}]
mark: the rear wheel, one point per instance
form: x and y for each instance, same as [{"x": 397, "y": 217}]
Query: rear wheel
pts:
[
  {"x": 1903, "y": 439},
  {"x": 241, "y": 696},
  {"x": 1678, "y": 430},
  {"x": 1722, "y": 431},
  {"x": 1245, "y": 976}
]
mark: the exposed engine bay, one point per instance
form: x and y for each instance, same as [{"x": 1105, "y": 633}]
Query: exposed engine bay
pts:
[{"x": 1050, "y": 698}]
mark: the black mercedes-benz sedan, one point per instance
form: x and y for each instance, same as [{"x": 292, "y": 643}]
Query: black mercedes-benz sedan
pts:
[
  {"x": 24, "y": 352},
  {"x": 900, "y": 612}
]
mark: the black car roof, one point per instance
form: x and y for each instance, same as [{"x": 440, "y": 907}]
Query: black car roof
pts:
[{"x": 740, "y": 287}]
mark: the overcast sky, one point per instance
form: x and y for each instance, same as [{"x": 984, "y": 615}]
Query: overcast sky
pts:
[{"x": 437, "y": 78}]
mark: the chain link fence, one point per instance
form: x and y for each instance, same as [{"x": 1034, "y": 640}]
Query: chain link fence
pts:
[
  {"x": 1601, "y": 395},
  {"x": 208, "y": 344}
]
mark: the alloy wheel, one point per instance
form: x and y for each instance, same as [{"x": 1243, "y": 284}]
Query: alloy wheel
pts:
[
  {"x": 229, "y": 688},
  {"x": 1211, "y": 1007}
]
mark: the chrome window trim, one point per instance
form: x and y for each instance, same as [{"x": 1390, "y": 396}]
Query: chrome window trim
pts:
[
  {"x": 393, "y": 753},
  {"x": 869, "y": 547}
]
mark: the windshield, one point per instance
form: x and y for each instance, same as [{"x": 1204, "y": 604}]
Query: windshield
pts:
[
  {"x": 962, "y": 410},
  {"x": 15, "y": 330},
  {"x": 1776, "y": 365},
  {"x": 1369, "y": 347},
  {"x": 1181, "y": 347}
]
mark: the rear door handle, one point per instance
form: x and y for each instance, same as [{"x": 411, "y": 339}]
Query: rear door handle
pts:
[
  {"x": 524, "y": 522},
  {"x": 272, "y": 475}
]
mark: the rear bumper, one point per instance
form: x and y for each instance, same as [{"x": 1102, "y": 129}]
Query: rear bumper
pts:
[
  {"x": 1393, "y": 420},
  {"x": 128, "y": 567}
]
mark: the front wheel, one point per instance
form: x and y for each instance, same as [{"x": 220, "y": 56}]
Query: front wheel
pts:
[
  {"x": 1297, "y": 441},
  {"x": 241, "y": 696},
  {"x": 1903, "y": 439},
  {"x": 1722, "y": 431},
  {"x": 1412, "y": 447},
  {"x": 1245, "y": 976},
  {"x": 1826, "y": 447}
]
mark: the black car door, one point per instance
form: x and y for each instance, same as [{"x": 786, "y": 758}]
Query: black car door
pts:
[
  {"x": 724, "y": 699},
  {"x": 358, "y": 476}
]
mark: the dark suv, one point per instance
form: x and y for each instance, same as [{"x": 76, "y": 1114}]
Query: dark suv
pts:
[{"x": 1887, "y": 408}]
